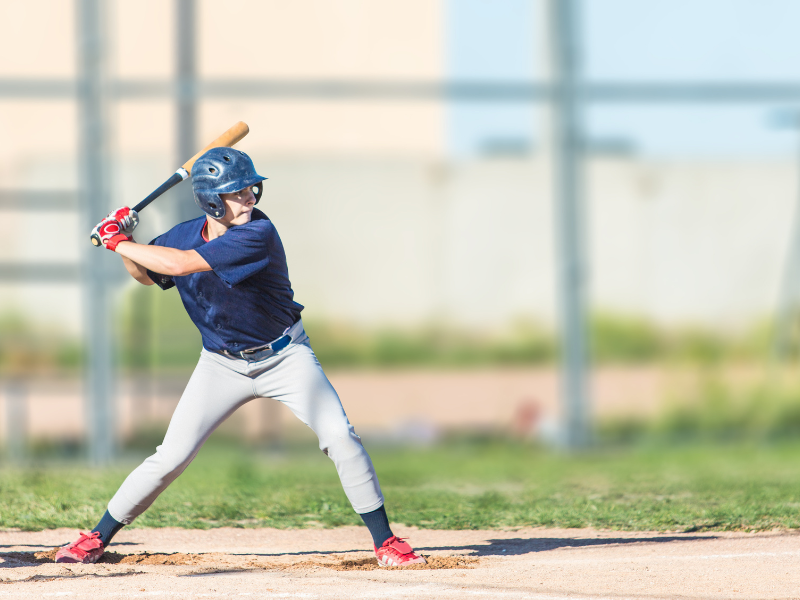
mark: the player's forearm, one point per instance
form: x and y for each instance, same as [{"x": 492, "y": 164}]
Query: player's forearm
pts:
[
  {"x": 137, "y": 271},
  {"x": 165, "y": 261}
]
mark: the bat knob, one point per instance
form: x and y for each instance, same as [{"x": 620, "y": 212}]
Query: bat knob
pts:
[{"x": 96, "y": 240}]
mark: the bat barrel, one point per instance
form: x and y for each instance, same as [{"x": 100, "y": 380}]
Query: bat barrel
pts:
[{"x": 229, "y": 138}]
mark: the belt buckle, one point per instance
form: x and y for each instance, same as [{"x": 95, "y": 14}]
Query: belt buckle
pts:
[{"x": 251, "y": 351}]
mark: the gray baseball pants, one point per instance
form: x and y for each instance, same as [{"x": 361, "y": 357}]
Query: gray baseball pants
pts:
[{"x": 220, "y": 385}]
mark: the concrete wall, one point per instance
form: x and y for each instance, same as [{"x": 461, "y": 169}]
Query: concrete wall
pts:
[
  {"x": 407, "y": 241},
  {"x": 701, "y": 241}
]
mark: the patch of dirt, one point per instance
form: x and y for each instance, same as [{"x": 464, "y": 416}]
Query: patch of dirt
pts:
[
  {"x": 226, "y": 560},
  {"x": 146, "y": 558},
  {"x": 115, "y": 558},
  {"x": 369, "y": 564},
  {"x": 30, "y": 557}
]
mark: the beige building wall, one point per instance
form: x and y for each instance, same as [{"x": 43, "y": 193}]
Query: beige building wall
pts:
[
  {"x": 360, "y": 40},
  {"x": 356, "y": 40},
  {"x": 302, "y": 40}
]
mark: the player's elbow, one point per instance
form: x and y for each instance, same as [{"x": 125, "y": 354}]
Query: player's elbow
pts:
[
  {"x": 137, "y": 271},
  {"x": 144, "y": 279}
]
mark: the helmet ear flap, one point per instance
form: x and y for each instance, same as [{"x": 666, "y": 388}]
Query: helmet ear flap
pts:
[
  {"x": 210, "y": 203},
  {"x": 258, "y": 189}
]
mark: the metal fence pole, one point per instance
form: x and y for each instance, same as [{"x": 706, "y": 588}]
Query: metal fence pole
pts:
[
  {"x": 569, "y": 209},
  {"x": 785, "y": 342},
  {"x": 186, "y": 101},
  {"x": 16, "y": 393},
  {"x": 99, "y": 392}
]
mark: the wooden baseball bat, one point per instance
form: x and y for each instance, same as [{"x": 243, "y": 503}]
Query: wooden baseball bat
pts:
[{"x": 229, "y": 138}]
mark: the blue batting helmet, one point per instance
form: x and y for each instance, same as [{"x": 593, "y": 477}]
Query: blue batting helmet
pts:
[{"x": 221, "y": 171}]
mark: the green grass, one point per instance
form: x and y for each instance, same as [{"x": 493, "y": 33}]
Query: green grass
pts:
[{"x": 455, "y": 486}]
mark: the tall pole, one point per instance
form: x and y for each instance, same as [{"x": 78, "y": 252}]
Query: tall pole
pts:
[
  {"x": 569, "y": 210},
  {"x": 543, "y": 23},
  {"x": 16, "y": 396},
  {"x": 786, "y": 321},
  {"x": 186, "y": 100},
  {"x": 95, "y": 263}
]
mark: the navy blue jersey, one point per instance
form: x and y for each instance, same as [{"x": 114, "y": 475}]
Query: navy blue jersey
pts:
[{"x": 247, "y": 299}]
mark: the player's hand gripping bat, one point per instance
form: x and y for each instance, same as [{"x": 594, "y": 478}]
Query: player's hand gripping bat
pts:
[{"x": 229, "y": 138}]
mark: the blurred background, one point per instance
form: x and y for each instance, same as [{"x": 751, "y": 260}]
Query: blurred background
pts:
[{"x": 562, "y": 222}]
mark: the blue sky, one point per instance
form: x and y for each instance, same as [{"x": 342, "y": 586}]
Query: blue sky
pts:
[{"x": 637, "y": 41}]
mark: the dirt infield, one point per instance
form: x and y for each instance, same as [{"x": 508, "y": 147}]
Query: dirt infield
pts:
[{"x": 338, "y": 564}]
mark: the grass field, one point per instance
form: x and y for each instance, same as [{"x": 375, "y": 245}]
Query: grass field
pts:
[{"x": 453, "y": 486}]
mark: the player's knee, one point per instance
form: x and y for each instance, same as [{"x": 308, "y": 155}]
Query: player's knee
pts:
[
  {"x": 331, "y": 433},
  {"x": 170, "y": 460},
  {"x": 342, "y": 445}
]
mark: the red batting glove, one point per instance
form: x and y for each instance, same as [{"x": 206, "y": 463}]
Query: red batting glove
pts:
[
  {"x": 126, "y": 217},
  {"x": 110, "y": 233},
  {"x": 120, "y": 237}
]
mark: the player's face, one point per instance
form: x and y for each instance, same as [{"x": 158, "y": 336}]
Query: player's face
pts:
[{"x": 239, "y": 207}]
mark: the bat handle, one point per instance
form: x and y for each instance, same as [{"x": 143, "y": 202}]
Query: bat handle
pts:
[{"x": 176, "y": 178}]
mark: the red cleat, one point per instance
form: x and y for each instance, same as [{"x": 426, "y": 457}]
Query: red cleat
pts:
[
  {"x": 396, "y": 553},
  {"x": 88, "y": 549}
]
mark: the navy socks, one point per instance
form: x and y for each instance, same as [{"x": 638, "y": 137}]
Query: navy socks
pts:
[
  {"x": 378, "y": 524},
  {"x": 108, "y": 528}
]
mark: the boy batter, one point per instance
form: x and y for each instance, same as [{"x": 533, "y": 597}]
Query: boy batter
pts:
[{"x": 230, "y": 270}]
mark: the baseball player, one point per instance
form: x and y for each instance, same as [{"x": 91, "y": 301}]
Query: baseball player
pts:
[{"x": 230, "y": 270}]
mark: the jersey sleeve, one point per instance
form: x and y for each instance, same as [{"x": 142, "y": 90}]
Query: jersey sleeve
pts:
[
  {"x": 163, "y": 281},
  {"x": 241, "y": 253}
]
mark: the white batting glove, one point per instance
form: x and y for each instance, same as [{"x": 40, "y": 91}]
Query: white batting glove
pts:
[
  {"x": 126, "y": 217},
  {"x": 108, "y": 233}
]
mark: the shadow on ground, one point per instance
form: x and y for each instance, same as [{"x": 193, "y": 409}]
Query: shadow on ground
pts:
[
  {"x": 520, "y": 546},
  {"x": 467, "y": 555}
]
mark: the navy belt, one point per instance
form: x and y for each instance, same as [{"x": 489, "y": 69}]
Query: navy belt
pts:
[{"x": 262, "y": 352}]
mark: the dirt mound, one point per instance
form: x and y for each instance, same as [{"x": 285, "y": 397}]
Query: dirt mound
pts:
[
  {"x": 30, "y": 557},
  {"x": 229, "y": 561},
  {"x": 369, "y": 564},
  {"x": 232, "y": 561},
  {"x": 147, "y": 558},
  {"x": 115, "y": 558}
]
